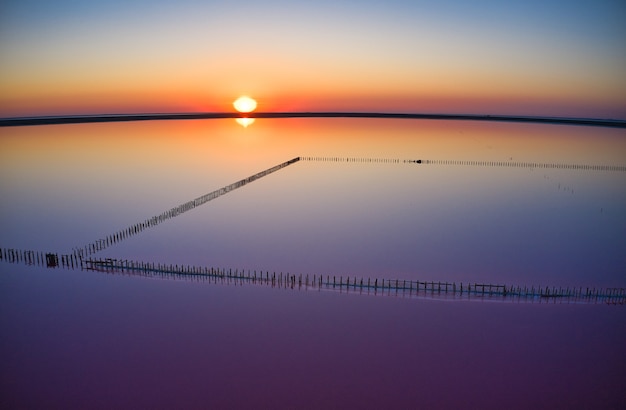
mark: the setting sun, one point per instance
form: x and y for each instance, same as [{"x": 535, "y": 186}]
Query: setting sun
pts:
[{"x": 244, "y": 104}]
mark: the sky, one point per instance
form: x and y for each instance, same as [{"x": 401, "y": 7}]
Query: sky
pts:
[{"x": 547, "y": 57}]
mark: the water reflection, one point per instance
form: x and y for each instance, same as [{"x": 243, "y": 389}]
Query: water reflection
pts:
[
  {"x": 362, "y": 286},
  {"x": 378, "y": 198},
  {"x": 245, "y": 121},
  {"x": 139, "y": 227},
  {"x": 504, "y": 164},
  {"x": 499, "y": 212}
]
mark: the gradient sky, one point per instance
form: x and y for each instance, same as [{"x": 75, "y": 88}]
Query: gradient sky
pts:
[{"x": 494, "y": 57}]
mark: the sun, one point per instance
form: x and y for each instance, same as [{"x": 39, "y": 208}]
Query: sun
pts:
[{"x": 244, "y": 104}]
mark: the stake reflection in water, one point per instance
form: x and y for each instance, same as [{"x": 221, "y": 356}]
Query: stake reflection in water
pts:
[
  {"x": 363, "y": 286},
  {"x": 77, "y": 259},
  {"x": 109, "y": 240},
  {"x": 505, "y": 164}
]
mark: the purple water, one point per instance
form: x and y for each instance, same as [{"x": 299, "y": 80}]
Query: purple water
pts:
[{"x": 87, "y": 339}]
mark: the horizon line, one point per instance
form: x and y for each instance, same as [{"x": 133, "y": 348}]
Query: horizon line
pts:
[{"x": 101, "y": 118}]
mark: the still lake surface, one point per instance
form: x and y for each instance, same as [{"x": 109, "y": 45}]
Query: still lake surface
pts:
[{"x": 489, "y": 203}]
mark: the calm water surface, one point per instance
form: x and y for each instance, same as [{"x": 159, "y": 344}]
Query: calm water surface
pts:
[{"x": 74, "y": 338}]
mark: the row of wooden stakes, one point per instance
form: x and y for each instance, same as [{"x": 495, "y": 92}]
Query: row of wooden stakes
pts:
[
  {"x": 347, "y": 283},
  {"x": 103, "y": 243},
  {"x": 517, "y": 164},
  {"x": 507, "y": 164},
  {"x": 374, "y": 286}
]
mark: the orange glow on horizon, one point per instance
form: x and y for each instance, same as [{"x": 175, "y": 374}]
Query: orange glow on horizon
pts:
[{"x": 85, "y": 103}]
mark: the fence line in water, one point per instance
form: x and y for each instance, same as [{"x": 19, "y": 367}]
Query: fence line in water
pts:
[
  {"x": 42, "y": 259},
  {"x": 505, "y": 164},
  {"x": 353, "y": 159},
  {"x": 76, "y": 260},
  {"x": 119, "y": 236},
  {"x": 517, "y": 164},
  {"x": 107, "y": 241},
  {"x": 399, "y": 287},
  {"x": 347, "y": 284}
]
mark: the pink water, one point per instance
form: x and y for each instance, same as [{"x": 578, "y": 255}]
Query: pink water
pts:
[{"x": 83, "y": 339}]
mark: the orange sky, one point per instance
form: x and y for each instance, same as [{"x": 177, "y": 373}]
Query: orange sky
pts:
[{"x": 499, "y": 60}]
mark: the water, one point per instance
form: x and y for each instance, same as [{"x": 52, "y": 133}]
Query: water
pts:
[{"x": 73, "y": 338}]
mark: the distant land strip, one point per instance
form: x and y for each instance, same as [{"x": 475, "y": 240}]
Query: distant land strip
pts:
[
  {"x": 81, "y": 119},
  {"x": 139, "y": 227},
  {"x": 467, "y": 291}
]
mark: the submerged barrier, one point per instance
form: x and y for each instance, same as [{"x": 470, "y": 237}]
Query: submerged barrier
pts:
[
  {"x": 353, "y": 159},
  {"x": 343, "y": 284},
  {"x": 430, "y": 289},
  {"x": 517, "y": 164},
  {"x": 42, "y": 259},
  {"x": 505, "y": 164},
  {"x": 116, "y": 237},
  {"x": 395, "y": 287},
  {"x": 103, "y": 243}
]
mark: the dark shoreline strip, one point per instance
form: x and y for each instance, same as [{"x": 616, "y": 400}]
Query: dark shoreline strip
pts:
[
  {"x": 119, "y": 236},
  {"x": 82, "y": 119}
]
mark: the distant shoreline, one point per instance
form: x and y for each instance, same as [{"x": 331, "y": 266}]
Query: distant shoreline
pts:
[{"x": 83, "y": 119}]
